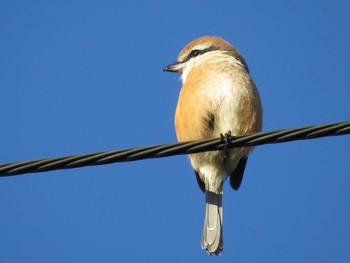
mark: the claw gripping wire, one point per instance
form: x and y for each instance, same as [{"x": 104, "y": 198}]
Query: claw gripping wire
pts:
[{"x": 164, "y": 150}]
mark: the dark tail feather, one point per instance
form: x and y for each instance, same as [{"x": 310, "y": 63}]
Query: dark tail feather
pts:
[{"x": 212, "y": 239}]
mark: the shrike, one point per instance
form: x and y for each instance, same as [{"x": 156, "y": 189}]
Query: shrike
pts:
[{"x": 218, "y": 96}]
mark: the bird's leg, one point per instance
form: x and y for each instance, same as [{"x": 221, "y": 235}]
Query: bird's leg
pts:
[{"x": 225, "y": 138}]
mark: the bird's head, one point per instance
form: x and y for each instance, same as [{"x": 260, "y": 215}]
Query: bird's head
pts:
[{"x": 198, "y": 47}]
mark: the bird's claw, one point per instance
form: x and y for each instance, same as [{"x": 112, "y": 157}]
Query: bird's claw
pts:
[{"x": 225, "y": 138}]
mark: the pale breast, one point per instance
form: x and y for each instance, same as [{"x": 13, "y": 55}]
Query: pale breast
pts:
[{"x": 217, "y": 98}]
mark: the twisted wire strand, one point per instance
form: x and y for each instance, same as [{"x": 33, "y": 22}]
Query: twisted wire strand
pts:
[{"x": 164, "y": 150}]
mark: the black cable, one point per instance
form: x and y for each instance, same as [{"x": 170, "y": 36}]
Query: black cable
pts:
[{"x": 164, "y": 150}]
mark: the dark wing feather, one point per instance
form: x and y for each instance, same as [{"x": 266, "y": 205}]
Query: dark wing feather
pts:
[
  {"x": 237, "y": 175},
  {"x": 200, "y": 182}
]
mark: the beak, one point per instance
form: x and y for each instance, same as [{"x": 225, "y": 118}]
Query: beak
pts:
[{"x": 176, "y": 67}]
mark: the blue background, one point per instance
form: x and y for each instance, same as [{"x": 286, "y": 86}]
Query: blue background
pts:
[{"x": 86, "y": 76}]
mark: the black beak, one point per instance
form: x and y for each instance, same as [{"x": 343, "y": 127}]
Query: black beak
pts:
[{"x": 172, "y": 68}]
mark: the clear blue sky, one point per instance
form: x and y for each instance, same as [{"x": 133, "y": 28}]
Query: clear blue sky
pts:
[{"x": 86, "y": 76}]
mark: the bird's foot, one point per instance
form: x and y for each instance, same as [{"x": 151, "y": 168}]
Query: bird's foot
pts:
[{"x": 225, "y": 138}]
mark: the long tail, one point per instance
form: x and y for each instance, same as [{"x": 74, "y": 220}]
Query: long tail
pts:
[{"x": 212, "y": 239}]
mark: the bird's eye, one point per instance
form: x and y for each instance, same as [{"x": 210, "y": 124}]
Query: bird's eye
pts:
[{"x": 194, "y": 53}]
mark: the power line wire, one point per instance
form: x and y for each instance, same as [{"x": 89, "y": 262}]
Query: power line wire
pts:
[{"x": 164, "y": 150}]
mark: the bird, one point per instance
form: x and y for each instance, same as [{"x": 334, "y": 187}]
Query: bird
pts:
[{"x": 218, "y": 98}]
